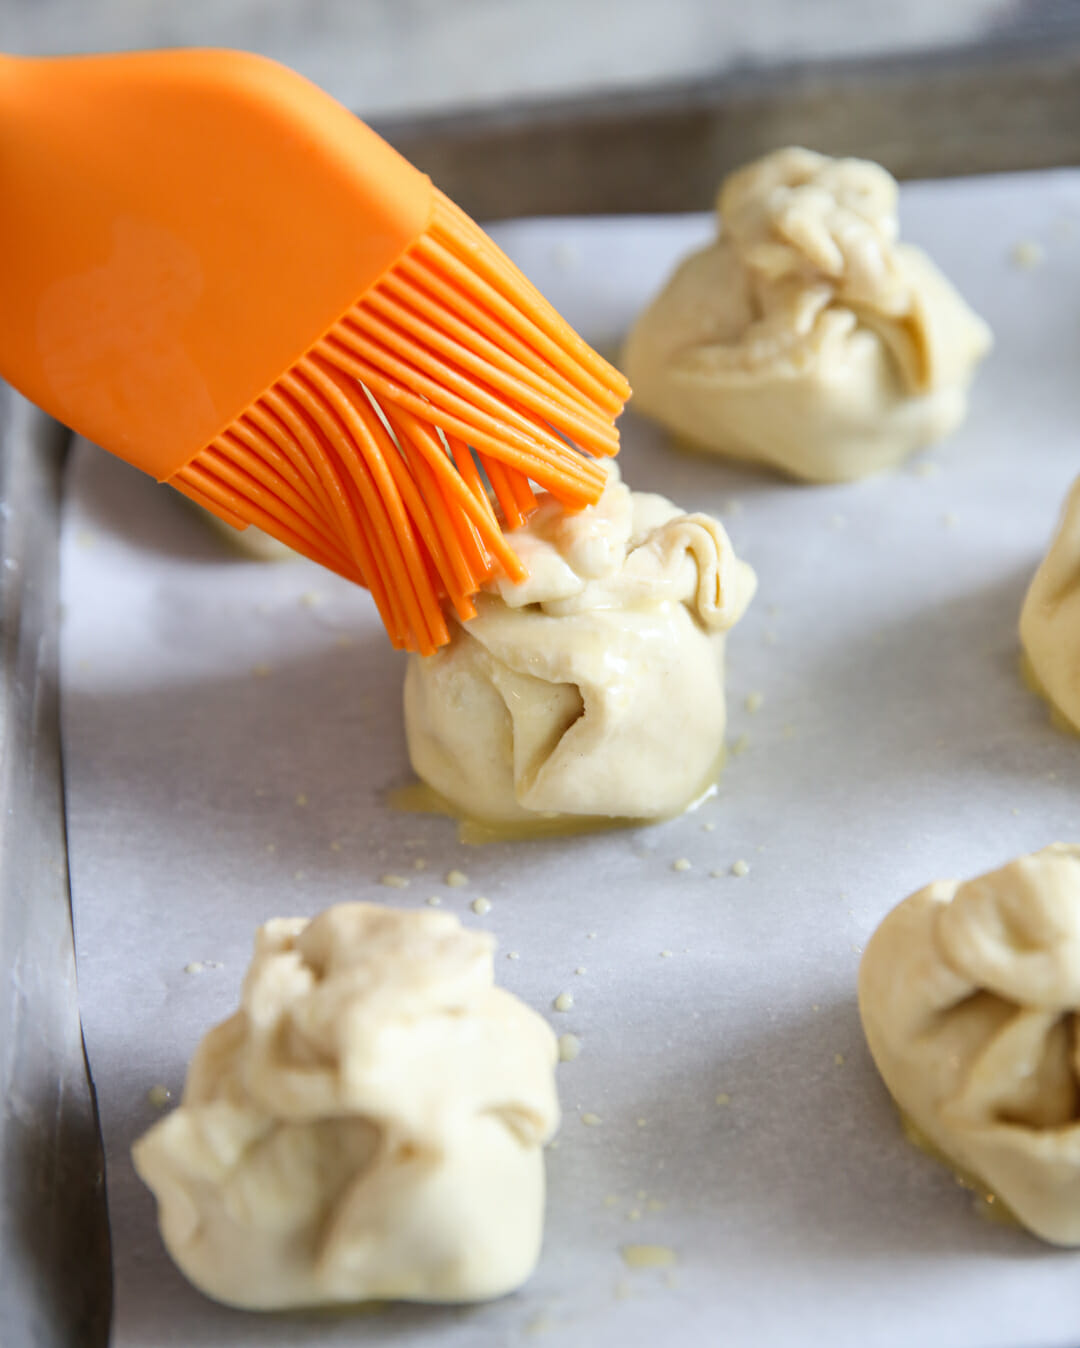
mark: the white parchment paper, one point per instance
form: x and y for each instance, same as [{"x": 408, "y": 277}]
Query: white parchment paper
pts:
[{"x": 231, "y": 729}]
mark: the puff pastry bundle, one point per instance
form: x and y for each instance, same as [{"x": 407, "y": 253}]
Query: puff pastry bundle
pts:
[
  {"x": 368, "y": 1125},
  {"x": 1050, "y": 618},
  {"x": 596, "y": 687},
  {"x": 969, "y": 996},
  {"x": 806, "y": 336}
]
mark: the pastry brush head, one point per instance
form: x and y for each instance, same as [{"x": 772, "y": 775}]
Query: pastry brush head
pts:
[{"x": 212, "y": 269}]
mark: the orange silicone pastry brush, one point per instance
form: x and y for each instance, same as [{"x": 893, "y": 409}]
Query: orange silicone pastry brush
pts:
[{"x": 213, "y": 270}]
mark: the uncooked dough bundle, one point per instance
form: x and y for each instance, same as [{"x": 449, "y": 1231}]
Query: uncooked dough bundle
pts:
[
  {"x": 368, "y": 1125},
  {"x": 252, "y": 542},
  {"x": 596, "y": 687},
  {"x": 969, "y": 996},
  {"x": 1050, "y": 618},
  {"x": 807, "y": 337}
]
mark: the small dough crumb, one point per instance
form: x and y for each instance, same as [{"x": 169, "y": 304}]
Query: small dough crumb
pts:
[
  {"x": 159, "y": 1096},
  {"x": 723, "y": 1098},
  {"x": 591, "y": 1120},
  {"x": 394, "y": 881},
  {"x": 754, "y": 702},
  {"x": 740, "y": 868},
  {"x": 456, "y": 879},
  {"x": 1028, "y": 254},
  {"x": 481, "y": 906},
  {"x": 680, "y": 864},
  {"x": 434, "y": 901},
  {"x": 569, "y": 1047},
  {"x": 648, "y": 1256},
  {"x": 564, "y": 1001}
]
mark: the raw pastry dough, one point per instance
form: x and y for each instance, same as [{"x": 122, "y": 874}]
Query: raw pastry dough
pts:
[
  {"x": 596, "y": 687},
  {"x": 968, "y": 995},
  {"x": 368, "y": 1124},
  {"x": 806, "y": 336},
  {"x": 1050, "y": 618},
  {"x": 253, "y": 542}
]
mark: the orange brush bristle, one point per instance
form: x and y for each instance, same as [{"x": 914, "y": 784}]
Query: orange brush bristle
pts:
[
  {"x": 215, "y": 271},
  {"x": 359, "y": 456}
]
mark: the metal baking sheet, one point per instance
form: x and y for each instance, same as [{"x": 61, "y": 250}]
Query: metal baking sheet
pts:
[
  {"x": 54, "y": 1249},
  {"x": 1011, "y": 102},
  {"x": 231, "y": 731}
]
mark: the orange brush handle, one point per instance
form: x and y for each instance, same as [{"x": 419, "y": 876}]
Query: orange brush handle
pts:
[{"x": 157, "y": 267}]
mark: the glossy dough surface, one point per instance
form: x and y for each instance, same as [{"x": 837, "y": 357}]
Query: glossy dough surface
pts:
[
  {"x": 807, "y": 337},
  {"x": 369, "y": 1124},
  {"x": 969, "y": 996},
  {"x": 252, "y": 542},
  {"x": 596, "y": 687},
  {"x": 1050, "y": 618}
]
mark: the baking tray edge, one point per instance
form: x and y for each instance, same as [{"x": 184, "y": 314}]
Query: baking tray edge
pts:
[{"x": 55, "y": 1277}]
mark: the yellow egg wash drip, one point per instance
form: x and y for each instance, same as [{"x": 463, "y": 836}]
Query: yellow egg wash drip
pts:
[
  {"x": 648, "y": 1256},
  {"x": 987, "y": 1204},
  {"x": 337, "y": 1310},
  {"x": 419, "y": 798}
]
